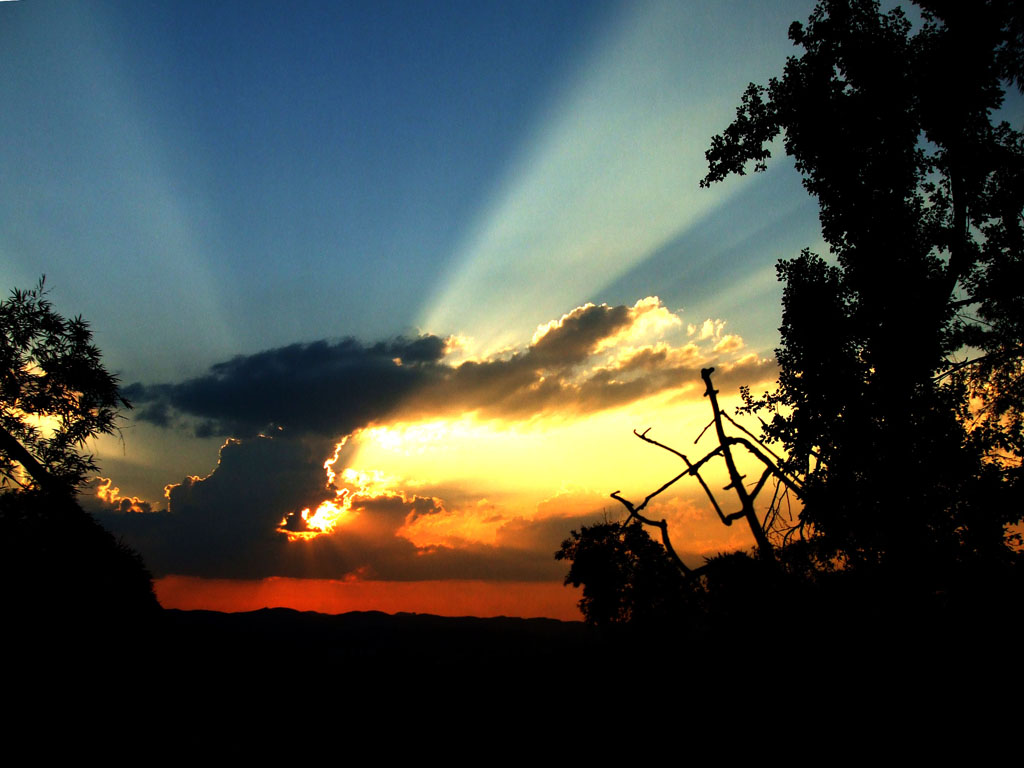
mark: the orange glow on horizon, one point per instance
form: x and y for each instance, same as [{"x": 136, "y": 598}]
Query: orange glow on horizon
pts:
[{"x": 441, "y": 598}]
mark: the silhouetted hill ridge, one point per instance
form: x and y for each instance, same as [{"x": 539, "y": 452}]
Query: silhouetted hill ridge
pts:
[{"x": 402, "y": 637}]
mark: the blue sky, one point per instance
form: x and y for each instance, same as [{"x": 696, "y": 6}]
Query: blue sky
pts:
[
  {"x": 250, "y": 201},
  {"x": 206, "y": 179}
]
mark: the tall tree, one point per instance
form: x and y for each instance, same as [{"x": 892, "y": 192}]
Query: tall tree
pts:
[{"x": 921, "y": 198}]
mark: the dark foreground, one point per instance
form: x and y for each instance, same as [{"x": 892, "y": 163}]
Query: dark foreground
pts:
[
  {"x": 275, "y": 644},
  {"x": 263, "y": 675},
  {"x": 373, "y": 645}
]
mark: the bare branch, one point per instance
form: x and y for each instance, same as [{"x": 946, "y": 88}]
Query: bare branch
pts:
[
  {"x": 760, "y": 483},
  {"x": 643, "y": 436},
  {"x": 711, "y": 496},
  {"x": 667, "y": 485},
  {"x": 692, "y": 469},
  {"x": 790, "y": 483},
  {"x": 953, "y": 368},
  {"x": 736, "y": 480},
  {"x": 773, "y": 510},
  {"x": 625, "y": 502},
  {"x": 751, "y": 435}
]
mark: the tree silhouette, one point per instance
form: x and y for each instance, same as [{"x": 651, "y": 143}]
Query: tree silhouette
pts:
[
  {"x": 920, "y": 203},
  {"x": 57, "y": 563},
  {"x": 54, "y": 394}
]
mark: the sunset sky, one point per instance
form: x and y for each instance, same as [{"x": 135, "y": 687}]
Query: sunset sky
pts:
[{"x": 456, "y": 251}]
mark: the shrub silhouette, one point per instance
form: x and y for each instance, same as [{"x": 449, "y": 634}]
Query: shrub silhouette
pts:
[
  {"x": 57, "y": 561},
  {"x": 627, "y": 577}
]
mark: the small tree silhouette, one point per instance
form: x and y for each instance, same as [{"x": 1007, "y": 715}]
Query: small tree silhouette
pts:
[{"x": 626, "y": 576}]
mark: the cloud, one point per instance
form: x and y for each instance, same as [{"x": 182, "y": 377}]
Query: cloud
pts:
[
  {"x": 584, "y": 362},
  {"x": 592, "y": 358},
  {"x": 572, "y": 338},
  {"x": 729, "y": 343},
  {"x": 709, "y": 329},
  {"x": 224, "y": 524},
  {"x": 103, "y": 496},
  {"x": 244, "y": 520},
  {"x": 320, "y": 388}
]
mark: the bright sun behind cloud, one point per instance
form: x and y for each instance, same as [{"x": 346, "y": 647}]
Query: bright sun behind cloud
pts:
[{"x": 481, "y": 469}]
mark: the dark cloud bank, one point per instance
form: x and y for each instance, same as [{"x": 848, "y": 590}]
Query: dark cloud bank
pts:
[
  {"x": 331, "y": 389},
  {"x": 320, "y": 388}
]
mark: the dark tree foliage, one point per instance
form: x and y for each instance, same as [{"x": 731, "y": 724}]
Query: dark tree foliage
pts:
[
  {"x": 909, "y": 454},
  {"x": 54, "y": 394}
]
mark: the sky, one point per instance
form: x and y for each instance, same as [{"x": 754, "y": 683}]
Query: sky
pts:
[{"x": 390, "y": 284}]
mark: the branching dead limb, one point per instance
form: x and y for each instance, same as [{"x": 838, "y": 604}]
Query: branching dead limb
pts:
[
  {"x": 784, "y": 484},
  {"x": 764, "y": 547},
  {"x": 692, "y": 469}
]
